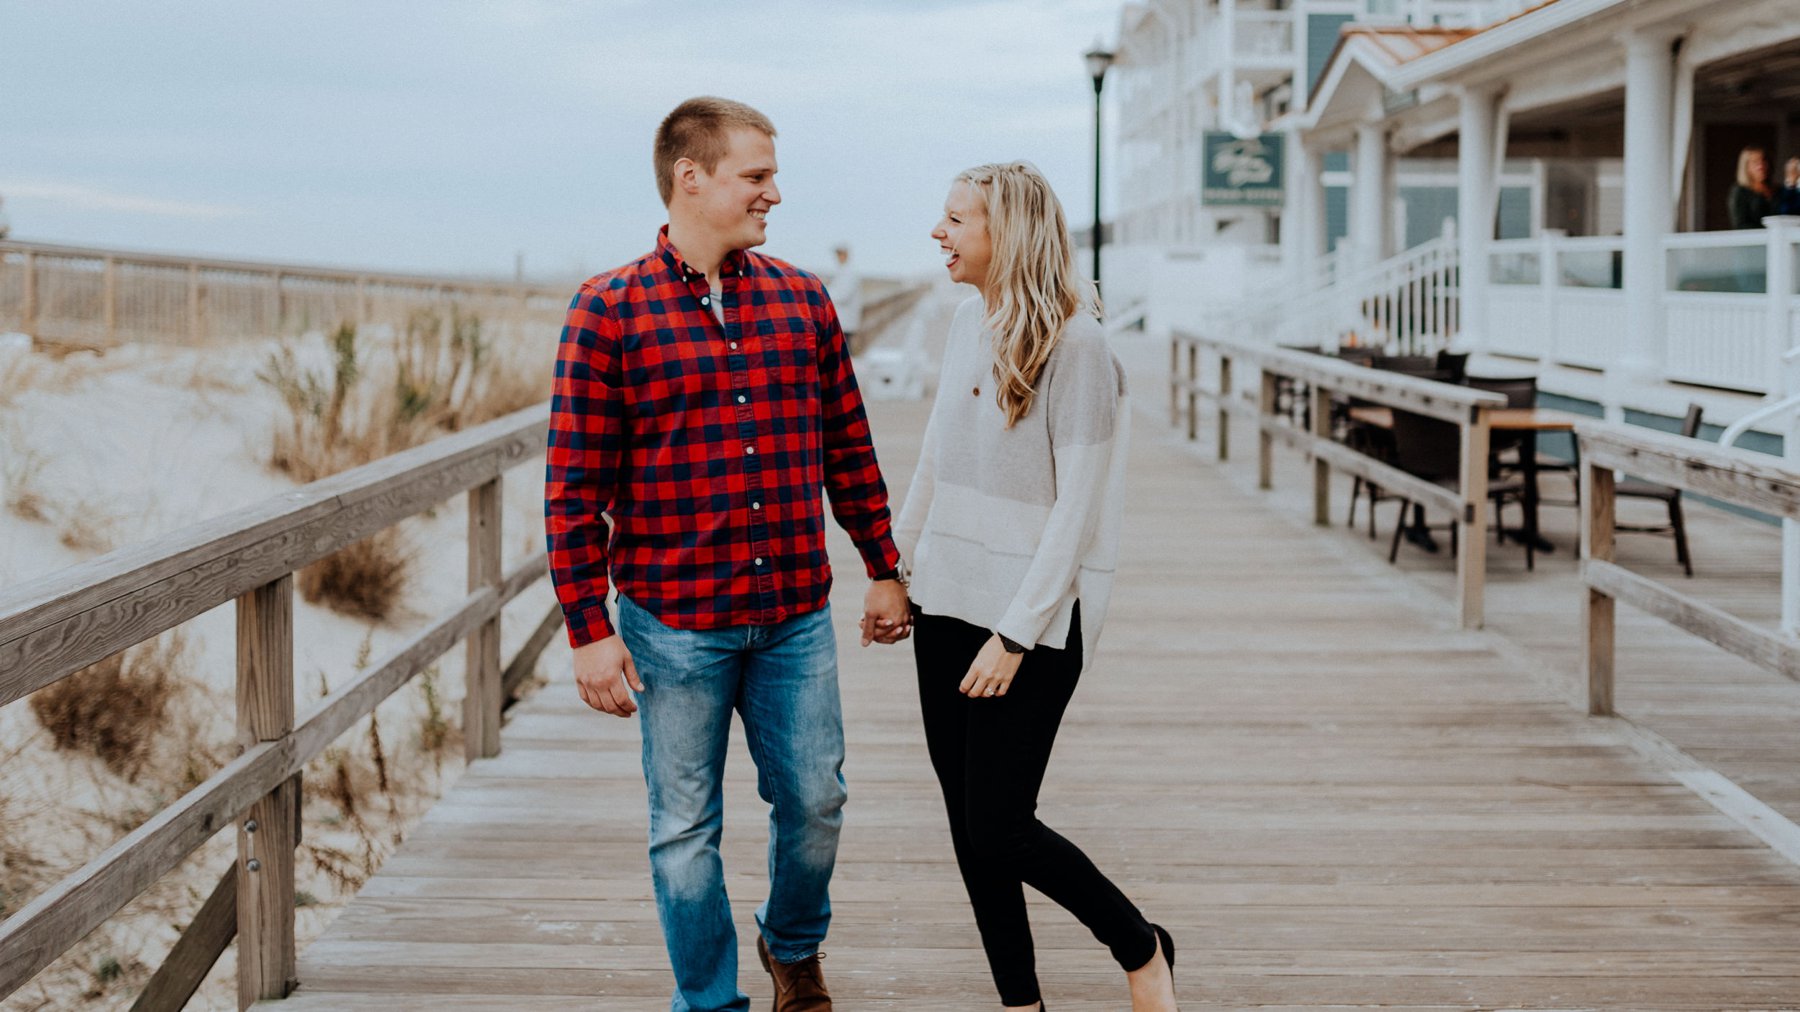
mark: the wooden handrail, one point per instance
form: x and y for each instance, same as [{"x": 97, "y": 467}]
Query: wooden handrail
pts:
[
  {"x": 1465, "y": 407},
  {"x": 291, "y": 271},
  {"x": 1738, "y": 477},
  {"x": 54, "y": 626}
]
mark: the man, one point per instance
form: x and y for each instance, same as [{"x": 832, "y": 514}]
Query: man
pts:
[{"x": 703, "y": 397}]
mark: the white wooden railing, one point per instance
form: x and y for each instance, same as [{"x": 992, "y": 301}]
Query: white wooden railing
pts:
[
  {"x": 1406, "y": 304},
  {"x": 1729, "y": 303}
]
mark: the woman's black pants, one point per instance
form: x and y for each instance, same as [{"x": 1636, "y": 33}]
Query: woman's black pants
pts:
[{"x": 990, "y": 755}]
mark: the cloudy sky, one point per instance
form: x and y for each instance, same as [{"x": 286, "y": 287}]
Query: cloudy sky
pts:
[{"x": 452, "y": 135}]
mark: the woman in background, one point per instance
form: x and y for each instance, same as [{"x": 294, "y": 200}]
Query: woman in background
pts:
[{"x": 1752, "y": 199}]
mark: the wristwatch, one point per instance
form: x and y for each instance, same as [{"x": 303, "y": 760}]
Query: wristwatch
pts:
[
  {"x": 1012, "y": 646},
  {"x": 899, "y": 572}
]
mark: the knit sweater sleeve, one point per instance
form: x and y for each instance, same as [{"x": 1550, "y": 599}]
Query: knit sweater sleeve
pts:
[{"x": 1082, "y": 402}]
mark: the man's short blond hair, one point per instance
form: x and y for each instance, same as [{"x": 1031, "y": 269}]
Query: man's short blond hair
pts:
[{"x": 700, "y": 129}]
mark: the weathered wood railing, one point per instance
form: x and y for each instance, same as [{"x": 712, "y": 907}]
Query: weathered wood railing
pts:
[
  {"x": 107, "y": 296},
  {"x": 54, "y": 626},
  {"x": 1739, "y": 477},
  {"x": 1324, "y": 378}
]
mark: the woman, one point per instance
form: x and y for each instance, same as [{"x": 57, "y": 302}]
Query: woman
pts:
[
  {"x": 1012, "y": 527},
  {"x": 1752, "y": 199}
]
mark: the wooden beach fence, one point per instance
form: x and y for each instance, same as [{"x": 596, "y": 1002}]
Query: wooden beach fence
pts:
[
  {"x": 1739, "y": 477},
  {"x": 55, "y": 626},
  {"x": 1323, "y": 378},
  {"x": 104, "y": 297}
]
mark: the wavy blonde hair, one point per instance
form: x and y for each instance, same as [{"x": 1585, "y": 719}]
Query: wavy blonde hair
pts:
[{"x": 1033, "y": 287}]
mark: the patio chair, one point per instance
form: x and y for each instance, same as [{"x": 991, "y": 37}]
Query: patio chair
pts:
[
  {"x": 1431, "y": 449},
  {"x": 1669, "y": 495}
]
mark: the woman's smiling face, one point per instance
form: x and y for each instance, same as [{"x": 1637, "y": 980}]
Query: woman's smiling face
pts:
[{"x": 963, "y": 236}]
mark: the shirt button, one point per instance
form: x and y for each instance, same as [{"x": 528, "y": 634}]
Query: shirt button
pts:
[
  {"x": 759, "y": 562},
  {"x": 756, "y": 505},
  {"x": 749, "y": 449},
  {"x": 742, "y": 398},
  {"x": 706, "y": 300},
  {"x": 734, "y": 346}
]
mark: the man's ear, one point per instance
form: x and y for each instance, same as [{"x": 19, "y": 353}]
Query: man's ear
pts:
[{"x": 687, "y": 176}]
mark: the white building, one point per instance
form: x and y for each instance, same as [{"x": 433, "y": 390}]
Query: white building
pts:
[{"x": 1595, "y": 139}]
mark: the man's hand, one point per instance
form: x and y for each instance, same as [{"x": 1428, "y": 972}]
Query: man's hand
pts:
[
  {"x": 993, "y": 671},
  {"x": 602, "y": 670},
  {"x": 887, "y": 616}
]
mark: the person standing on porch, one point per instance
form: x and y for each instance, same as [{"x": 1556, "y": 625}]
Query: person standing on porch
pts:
[
  {"x": 1012, "y": 526},
  {"x": 1787, "y": 200},
  {"x": 1752, "y": 199},
  {"x": 703, "y": 398}
]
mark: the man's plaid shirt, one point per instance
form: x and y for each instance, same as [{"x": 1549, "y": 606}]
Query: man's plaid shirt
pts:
[{"x": 707, "y": 446}]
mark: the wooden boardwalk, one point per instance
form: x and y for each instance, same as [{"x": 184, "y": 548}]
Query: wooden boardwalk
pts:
[{"x": 1285, "y": 752}]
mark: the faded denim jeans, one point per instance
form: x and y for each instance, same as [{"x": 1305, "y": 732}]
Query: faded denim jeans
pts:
[{"x": 782, "y": 680}]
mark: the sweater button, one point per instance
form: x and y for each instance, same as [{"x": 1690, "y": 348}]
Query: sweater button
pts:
[{"x": 976, "y": 391}]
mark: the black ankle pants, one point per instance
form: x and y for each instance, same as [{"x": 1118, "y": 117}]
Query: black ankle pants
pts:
[{"x": 990, "y": 755}]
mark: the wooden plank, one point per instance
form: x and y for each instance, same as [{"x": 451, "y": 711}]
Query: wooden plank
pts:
[
  {"x": 482, "y": 693},
  {"x": 1598, "y": 617},
  {"x": 266, "y": 835},
  {"x": 202, "y": 942},
  {"x": 1741, "y": 477},
  {"x": 1321, "y": 430},
  {"x": 1389, "y": 477},
  {"x": 64, "y": 621},
  {"x": 1766, "y": 647}
]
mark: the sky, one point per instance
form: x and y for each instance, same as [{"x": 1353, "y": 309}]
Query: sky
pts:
[{"x": 452, "y": 136}]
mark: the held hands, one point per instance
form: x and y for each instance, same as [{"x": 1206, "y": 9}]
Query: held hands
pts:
[
  {"x": 887, "y": 616},
  {"x": 602, "y": 670},
  {"x": 993, "y": 671}
]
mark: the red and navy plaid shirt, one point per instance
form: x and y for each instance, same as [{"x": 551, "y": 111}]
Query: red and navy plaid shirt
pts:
[{"x": 707, "y": 446}]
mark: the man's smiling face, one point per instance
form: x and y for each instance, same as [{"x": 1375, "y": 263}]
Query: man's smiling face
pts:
[{"x": 737, "y": 195}]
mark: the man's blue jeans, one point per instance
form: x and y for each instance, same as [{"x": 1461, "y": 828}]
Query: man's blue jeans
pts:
[{"x": 782, "y": 680}]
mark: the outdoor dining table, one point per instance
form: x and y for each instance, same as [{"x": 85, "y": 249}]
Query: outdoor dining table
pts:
[{"x": 1528, "y": 422}]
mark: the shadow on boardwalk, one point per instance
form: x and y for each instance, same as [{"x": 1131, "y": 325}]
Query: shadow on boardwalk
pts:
[{"x": 1285, "y": 753}]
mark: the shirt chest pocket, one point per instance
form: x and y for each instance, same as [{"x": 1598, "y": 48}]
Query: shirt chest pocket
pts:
[{"x": 788, "y": 351}]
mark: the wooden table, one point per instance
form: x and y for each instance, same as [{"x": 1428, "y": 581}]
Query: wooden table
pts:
[{"x": 1528, "y": 422}]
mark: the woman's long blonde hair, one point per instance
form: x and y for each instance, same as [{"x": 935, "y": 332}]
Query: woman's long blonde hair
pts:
[{"x": 1033, "y": 287}]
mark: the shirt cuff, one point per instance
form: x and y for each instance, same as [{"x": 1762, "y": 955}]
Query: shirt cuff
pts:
[
  {"x": 879, "y": 555},
  {"x": 589, "y": 625}
]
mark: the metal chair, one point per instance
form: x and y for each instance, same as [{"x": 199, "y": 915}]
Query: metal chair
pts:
[{"x": 1669, "y": 495}]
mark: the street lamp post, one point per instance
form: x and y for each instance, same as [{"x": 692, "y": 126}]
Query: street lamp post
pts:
[{"x": 1098, "y": 60}]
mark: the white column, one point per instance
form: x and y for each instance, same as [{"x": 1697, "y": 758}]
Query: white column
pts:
[
  {"x": 1649, "y": 134},
  {"x": 1474, "y": 212},
  {"x": 1296, "y": 254},
  {"x": 1368, "y": 211},
  {"x": 1317, "y": 226}
]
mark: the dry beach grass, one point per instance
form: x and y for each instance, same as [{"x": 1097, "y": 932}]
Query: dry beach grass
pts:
[{"x": 106, "y": 451}]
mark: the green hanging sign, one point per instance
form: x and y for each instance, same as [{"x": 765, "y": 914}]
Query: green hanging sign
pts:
[{"x": 1241, "y": 171}]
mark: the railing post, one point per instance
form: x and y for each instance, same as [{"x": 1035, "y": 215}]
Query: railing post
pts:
[
  {"x": 1471, "y": 559},
  {"x": 274, "y": 307},
  {"x": 1193, "y": 391},
  {"x": 1784, "y": 231},
  {"x": 1321, "y": 430},
  {"x": 269, "y": 830},
  {"x": 1597, "y": 607},
  {"x": 28, "y": 312},
  {"x": 109, "y": 304},
  {"x": 1548, "y": 278},
  {"x": 193, "y": 304},
  {"x": 1174, "y": 380},
  {"x": 1265, "y": 440},
  {"x": 482, "y": 696},
  {"x": 1224, "y": 412}
]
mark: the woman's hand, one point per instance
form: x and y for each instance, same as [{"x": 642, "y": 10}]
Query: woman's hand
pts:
[{"x": 993, "y": 671}]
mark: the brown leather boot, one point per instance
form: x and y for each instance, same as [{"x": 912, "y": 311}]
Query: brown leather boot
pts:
[{"x": 799, "y": 987}]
